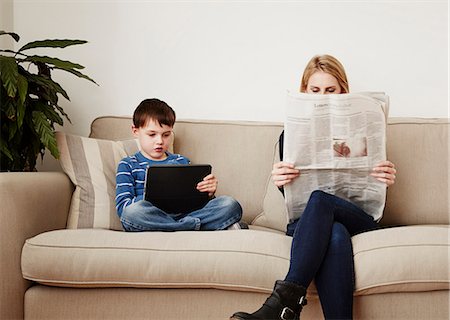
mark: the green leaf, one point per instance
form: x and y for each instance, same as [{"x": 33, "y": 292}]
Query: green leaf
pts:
[
  {"x": 49, "y": 112},
  {"x": 22, "y": 86},
  {"x": 9, "y": 109},
  {"x": 60, "y": 64},
  {"x": 48, "y": 84},
  {"x": 4, "y": 149},
  {"x": 9, "y": 74},
  {"x": 54, "y": 43},
  {"x": 5, "y": 101},
  {"x": 45, "y": 133},
  {"x": 12, "y": 34},
  {"x": 79, "y": 74},
  {"x": 12, "y": 130},
  {"x": 61, "y": 110}
]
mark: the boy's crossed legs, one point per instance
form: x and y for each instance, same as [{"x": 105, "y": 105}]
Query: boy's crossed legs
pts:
[{"x": 218, "y": 214}]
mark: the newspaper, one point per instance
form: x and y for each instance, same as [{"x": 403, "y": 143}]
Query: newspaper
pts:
[{"x": 335, "y": 141}]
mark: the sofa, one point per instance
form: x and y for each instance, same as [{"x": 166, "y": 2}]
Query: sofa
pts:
[{"x": 64, "y": 256}]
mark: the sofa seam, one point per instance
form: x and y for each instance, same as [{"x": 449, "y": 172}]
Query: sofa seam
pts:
[{"x": 154, "y": 250}]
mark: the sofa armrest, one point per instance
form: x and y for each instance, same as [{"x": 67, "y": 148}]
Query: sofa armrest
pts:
[{"x": 31, "y": 203}]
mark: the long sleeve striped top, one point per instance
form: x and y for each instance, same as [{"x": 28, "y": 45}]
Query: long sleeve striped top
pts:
[{"x": 130, "y": 177}]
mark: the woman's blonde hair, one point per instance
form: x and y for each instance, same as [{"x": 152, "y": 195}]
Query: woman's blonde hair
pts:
[{"x": 328, "y": 64}]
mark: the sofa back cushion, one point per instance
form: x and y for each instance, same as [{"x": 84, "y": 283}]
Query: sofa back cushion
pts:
[
  {"x": 420, "y": 150},
  {"x": 242, "y": 154}
]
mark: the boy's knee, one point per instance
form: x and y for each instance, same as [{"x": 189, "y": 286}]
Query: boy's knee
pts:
[
  {"x": 130, "y": 210},
  {"x": 232, "y": 204},
  {"x": 137, "y": 209}
]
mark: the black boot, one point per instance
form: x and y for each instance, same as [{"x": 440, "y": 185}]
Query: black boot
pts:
[{"x": 285, "y": 302}]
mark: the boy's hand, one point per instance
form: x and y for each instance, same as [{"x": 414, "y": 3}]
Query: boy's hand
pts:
[{"x": 209, "y": 184}]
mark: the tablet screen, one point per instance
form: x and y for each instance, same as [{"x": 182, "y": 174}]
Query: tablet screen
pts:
[{"x": 173, "y": 188}]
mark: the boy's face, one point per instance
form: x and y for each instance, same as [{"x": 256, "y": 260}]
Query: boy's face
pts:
[{"x": 154, "y": 139}]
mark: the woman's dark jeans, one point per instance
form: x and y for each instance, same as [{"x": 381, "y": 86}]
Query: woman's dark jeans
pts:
[{"x": 322, "y": 250}]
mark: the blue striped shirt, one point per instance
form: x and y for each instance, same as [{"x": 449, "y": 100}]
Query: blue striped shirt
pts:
[{"x": 130, "y": 177}]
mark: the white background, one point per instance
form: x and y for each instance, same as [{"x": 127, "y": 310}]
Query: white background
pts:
[{"x": 234, "y": 60}]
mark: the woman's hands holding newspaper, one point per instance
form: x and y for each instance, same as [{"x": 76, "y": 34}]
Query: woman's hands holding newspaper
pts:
[
  {"x": 209, "y": 184},
  {"x": 384, "y": 172},
  {"x": 283, "y": 173}
]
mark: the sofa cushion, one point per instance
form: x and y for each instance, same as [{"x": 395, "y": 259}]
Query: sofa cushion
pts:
[
  {"x": 400, "y": 259},
  {"x": 420, "y": 150},
  {"x": 231, "y": 259},
  {"x": 240, "y": 153},
  {"x": 91, "y": 165},
  {"x": 274, "y": 214}
]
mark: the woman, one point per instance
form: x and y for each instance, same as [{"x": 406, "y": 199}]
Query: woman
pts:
[{"x": 321, "y": 245}]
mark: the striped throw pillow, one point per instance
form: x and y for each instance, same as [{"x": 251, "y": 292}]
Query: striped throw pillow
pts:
[{"x": 91, "y": 165}]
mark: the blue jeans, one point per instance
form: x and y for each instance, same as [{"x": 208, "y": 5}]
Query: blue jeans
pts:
[
  {"x": 218, "y": 214},
  {"x": 322, "y": 250}
]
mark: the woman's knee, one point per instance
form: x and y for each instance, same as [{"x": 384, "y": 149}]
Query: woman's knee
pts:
[
  {"x": 320, "y": 204},
  {"x": 340, "y": 239},
  {"x": 319, "y": 196}
]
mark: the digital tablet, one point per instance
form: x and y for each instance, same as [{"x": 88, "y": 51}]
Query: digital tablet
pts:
[{"x": 173, "y": 188}]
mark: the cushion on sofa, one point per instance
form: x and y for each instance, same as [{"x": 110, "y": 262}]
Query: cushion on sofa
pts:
[
  {"x": 402, "y": 259},
  {"x": 91, "y": 165},
  {"x": 274, "y": 214},
  {"x": 232, "y": 259},
  {"x": 420, "y": 150}
]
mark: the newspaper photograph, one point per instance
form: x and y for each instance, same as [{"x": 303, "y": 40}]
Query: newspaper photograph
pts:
[{"x": 335, "y": 141}]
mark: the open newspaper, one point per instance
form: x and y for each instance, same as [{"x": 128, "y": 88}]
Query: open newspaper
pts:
[{"x": 335, "y": 140}]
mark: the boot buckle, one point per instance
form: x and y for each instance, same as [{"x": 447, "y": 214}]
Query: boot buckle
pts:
[
  {"x": 287, "y": 314},
  {"x": 302, "y": 301}
]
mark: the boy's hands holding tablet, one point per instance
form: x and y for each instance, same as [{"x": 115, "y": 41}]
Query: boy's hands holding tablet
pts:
[{"x": 209, "y": 184}]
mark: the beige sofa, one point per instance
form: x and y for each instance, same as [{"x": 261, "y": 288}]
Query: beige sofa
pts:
[{"x": 49, "y": 271}]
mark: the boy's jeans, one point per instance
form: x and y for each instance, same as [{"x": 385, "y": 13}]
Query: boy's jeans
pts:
[{"x": 218, "y": 214}]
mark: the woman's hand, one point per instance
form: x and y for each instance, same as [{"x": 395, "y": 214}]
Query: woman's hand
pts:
[
  {"x": 209, "y": 184},
  {"x": 384, "y": 172},
  {"x": 283, "y": 173}
]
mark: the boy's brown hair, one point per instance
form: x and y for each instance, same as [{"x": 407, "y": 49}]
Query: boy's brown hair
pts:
[{"x": 153, "y": 109}]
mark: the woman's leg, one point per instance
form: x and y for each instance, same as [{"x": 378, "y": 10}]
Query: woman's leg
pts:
[
  {"x": 322, "y": 249},
  {"x": 313, "y": 232},
  {"x": 335, "y": 277}
]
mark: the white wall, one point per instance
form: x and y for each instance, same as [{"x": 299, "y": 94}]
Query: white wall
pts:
[
  {"x": 6, "y": 23},
  {"x": 235, "y": 59}
]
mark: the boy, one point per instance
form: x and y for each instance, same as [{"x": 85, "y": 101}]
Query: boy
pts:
[{"x": 153, "y": 121}]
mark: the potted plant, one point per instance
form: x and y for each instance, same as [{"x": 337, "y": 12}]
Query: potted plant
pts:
[{"x": 29, "y": 102}]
